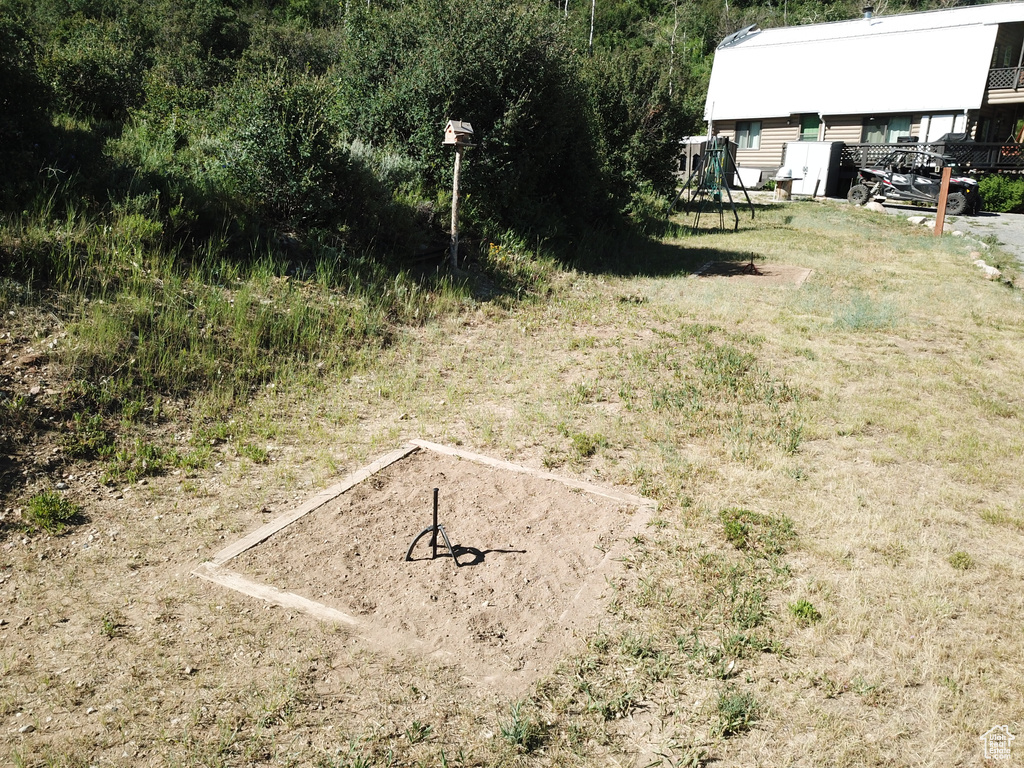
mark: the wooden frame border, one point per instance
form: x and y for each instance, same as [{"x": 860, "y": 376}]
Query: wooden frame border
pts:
[{"x": 213, "y": 569}]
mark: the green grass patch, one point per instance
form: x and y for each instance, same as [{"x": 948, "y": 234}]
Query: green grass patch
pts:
[
  {"x": 749, "y": 530},
  {"x": 521, "y": 729},
  {"x": 962, "y": 561},
  {"x": 804, "y": 612},
  {"x": 736, "y": 713},
  {"x": 49, "y": 511}
]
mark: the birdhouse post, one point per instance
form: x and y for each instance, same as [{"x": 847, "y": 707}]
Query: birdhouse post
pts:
[{"x": 458, "y": 134}]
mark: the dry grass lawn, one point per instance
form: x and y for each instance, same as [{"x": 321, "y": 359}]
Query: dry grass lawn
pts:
[{"x": 832, "y": 577}]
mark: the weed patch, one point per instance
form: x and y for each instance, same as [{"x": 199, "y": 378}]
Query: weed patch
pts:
[
  {"x": 804, "y": 612},
  {"x": 961, "y": 560},
  {"x": 521, "y": 729},
  {"x": 736, "y": 712},
  {"x": 50, "y": 512},
  {"x": 745, "y": 529}
]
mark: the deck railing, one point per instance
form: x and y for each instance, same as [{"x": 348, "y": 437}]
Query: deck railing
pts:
[
  {"x": 973, "y": 156},
  {"x": 1009, "y": 77}
]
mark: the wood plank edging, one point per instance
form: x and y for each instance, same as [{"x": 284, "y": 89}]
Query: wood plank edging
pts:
[
  {"x": 597, "y": 490},
  {"x": 265, "y": 532},
  {"x": 239, "y": 583}
]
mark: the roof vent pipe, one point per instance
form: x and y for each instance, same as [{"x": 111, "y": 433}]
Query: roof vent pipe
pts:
[{"x": 869, "y": 11}]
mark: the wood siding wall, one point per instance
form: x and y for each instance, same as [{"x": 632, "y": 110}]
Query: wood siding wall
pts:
[
  {"x": 1008, "y": 96},
  {"x": 775, "y": 132},
  {"x": 848, "y": 128}
]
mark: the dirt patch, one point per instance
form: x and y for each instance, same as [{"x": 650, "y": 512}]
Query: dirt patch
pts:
[
  {"x": 781, "y": 274},
  {"x": 535, "y": 552}
]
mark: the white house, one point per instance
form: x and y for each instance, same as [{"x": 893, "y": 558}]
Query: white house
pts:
[{"x": 874, "y": 80}]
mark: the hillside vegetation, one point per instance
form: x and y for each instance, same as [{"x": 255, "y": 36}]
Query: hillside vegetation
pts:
[{"x": 201, "y": 199}]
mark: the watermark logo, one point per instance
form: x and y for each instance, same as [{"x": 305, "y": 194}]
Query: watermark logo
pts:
[{"x": 997, "y": 742}]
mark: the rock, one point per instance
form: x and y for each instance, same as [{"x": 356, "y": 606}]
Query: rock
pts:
[
  {"x": 991, "y": 273},
  {"x": 26, "y": 728},
  {"x": 957, "y": 233},
  {"x": 32, "y": 358},
  {"x": 917, "y": 220},
  {"x": 874, "y": 206}
]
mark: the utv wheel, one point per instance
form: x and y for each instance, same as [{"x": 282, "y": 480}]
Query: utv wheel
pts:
[
  {"x": 956, "y": 204},
  {"x": 859, "y": 194}
]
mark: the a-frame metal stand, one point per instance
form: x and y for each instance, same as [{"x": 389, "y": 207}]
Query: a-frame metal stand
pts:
[{"x": 707, "y": 183}]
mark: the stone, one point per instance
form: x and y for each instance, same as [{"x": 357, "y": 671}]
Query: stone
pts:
[
  {"x": 917, "y": 220},
  {"x": 957, "y": 233},
  {"x": 874, "y": 206}
]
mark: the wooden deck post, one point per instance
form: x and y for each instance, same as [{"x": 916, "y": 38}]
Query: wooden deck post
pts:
[{"x": 940, "y": 213}]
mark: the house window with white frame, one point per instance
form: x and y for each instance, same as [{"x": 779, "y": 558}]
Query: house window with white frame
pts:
[{"x": 748, "y": 134}]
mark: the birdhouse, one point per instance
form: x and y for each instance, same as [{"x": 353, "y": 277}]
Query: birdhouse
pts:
[{"x": 458, "y": 133}]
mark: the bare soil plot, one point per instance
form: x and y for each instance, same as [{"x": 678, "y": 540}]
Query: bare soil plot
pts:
[
  {"x": 533, "y": 550},
  {"x": 763, "y": 274}
]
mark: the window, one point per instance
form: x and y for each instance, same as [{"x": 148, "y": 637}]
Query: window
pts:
[
  {"x": 748, "y": 134},
  {"x": 809, "y": 125},
  {"x": 885, "y": 130},
  {"x": 898, "y": 126}
]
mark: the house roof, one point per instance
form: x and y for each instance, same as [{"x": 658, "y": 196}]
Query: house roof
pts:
[{"x": 936, "y": 61}]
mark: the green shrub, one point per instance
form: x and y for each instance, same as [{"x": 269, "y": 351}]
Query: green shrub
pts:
[
  {"x": 804, "y": 612},
  {"x": 961, "y": 560},
  {"x": 95, "y": 68},
  {"x": 49, "y": 511},
  {"x": 24, "y": 99},
  {"x": 281, "y": 150},
  {"x": 521, "y": 89},
  {"x": 1003, "y": 194}
]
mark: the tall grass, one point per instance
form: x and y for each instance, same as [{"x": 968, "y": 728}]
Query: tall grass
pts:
[{"x": 149, "y": 319}]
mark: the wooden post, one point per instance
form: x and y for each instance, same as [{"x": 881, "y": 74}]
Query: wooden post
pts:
[
  {"x": 593, "y": 10},
  {"x": 940, "y": 213},
  {"x": 454, "y": 252}
]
